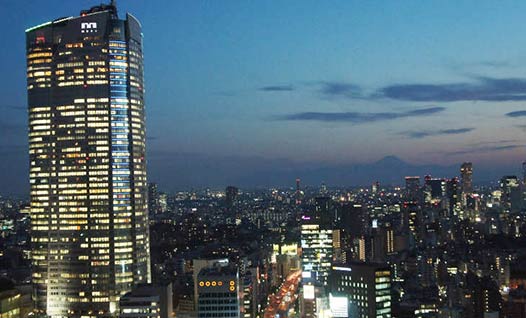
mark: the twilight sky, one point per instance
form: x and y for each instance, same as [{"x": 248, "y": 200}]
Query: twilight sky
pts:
[{"x": 236, "y": 89}]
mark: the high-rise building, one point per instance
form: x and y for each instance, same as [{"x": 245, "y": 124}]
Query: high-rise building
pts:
[
  {"x": 154, "y": 205},
  {"x": 198, "y": 265},
  {"x": 231, "y": 193},
  {"x": 452, "y": 194},
  {"x": 324, "y": 212},
  {"x": 317, "y": 241},
  {"x": 466, "y": 186},
  {"x": 437, "y": 187},
  {"x": 317, "y": 252},
  {"x": 412, "y": 189},
  {"x": 511, "y": 198},
  {"x": 466, "y": 175},
  {"x": 323, "y": 189},
  {"x": 89, "y": 221},
  {"x": 375, "y": 187},
  {"x": 367, "y": 287},
  {"x": 218, "y": 290},
  {"x": 298, "y": 195},
  {"x": 250, "y": 293}
]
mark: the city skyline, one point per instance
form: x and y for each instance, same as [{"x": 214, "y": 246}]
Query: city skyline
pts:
[
  {"x": 262, "y": 159},
  {"x": 237, "y": 90}
]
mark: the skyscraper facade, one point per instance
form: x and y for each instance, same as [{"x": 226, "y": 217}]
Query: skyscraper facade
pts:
[
  {"x": 89, "y": 220},
  {"x": 367, "y": 287},
  {"x": 317, "y": 242},
  {"x": 452, "y": 194},
  {"x": 231, "y": 194},
  {"x": 466, "y": 174},
  {"x": 218, "y": 289},
  {"x": 511, "y": 197},
  {"x": 412, "y": 189}
]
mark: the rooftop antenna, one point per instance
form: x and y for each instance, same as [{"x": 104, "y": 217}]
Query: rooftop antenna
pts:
[{"x": 113, "y": 4}]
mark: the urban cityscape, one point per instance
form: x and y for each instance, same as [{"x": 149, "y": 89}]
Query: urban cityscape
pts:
[{"x": 96, "y": 236}]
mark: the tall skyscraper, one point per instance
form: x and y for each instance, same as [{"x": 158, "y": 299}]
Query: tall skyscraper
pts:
[
  {"x": 231, "y": 194},
  {"x": 511, "y": 199},
  {"x": 89, "y": 221},
  {"x": 466, "y": 175},
  {"x": 298, "y": 195},
  {"x": 154, "y": 205},
  {"x": 412, "y": 188},
  {"x": 437, "y": 187},
  {"x": 452, "y": 194},
  {"x": 317, "y": 242}
]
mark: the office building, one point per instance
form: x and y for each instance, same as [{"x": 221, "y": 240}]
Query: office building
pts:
[
  {"x": 231, "y": 194},
  {"x": 154, "y": 204},
  {"x": 452, "y": 194},
  {"x": 147, "y": 301},
  {"x": 466, "y": 187},
  {"x": 198, "y": 265},
  {"x": 466, "y": 175},
  {"x": 10, "y": 303},
  {"x": 298, "y": 194},
  {"x": 317, "y": 241},
  {"x": 218, "y": 293},
  {"x": 511, "y": 198},
  {"x": 413, "y": 221},
  {"x": 412, "y": 189},
  {"x": 89, "y": 221},
  {"x": 437, "y": 187},
  {"x": 250, "y": 291},
  {"x": 367, "y": 286},
  {"x": 317, "y": 252},
  {"x": 375, "y": 187}
]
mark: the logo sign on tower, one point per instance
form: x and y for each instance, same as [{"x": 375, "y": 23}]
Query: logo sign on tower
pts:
[{"x": 88, "y": 27}]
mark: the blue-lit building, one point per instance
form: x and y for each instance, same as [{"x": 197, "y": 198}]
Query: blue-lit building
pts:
[{"x": 89, "y": 220}]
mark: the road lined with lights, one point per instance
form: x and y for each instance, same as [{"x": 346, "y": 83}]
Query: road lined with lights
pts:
[{"x": 282, "y": 301}]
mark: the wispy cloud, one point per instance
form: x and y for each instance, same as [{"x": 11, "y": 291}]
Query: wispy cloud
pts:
[
  {"x": 481, "y": 89},
  {"x": 340, "y": 89},
  {"x": 496, "y": 142},
  {"x": 277, "y": 88},
  {"x": 428, "y": 133},
  {"x": 519, "y": 113},
  {"x": 495, "y": 64},
  {"x": 356, "y": 117},
  {"x": 484, "y": 149},
  {"x": 456, "y": 66}
]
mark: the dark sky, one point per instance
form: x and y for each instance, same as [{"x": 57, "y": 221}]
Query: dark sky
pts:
[{"x": 240, "y": 90}]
